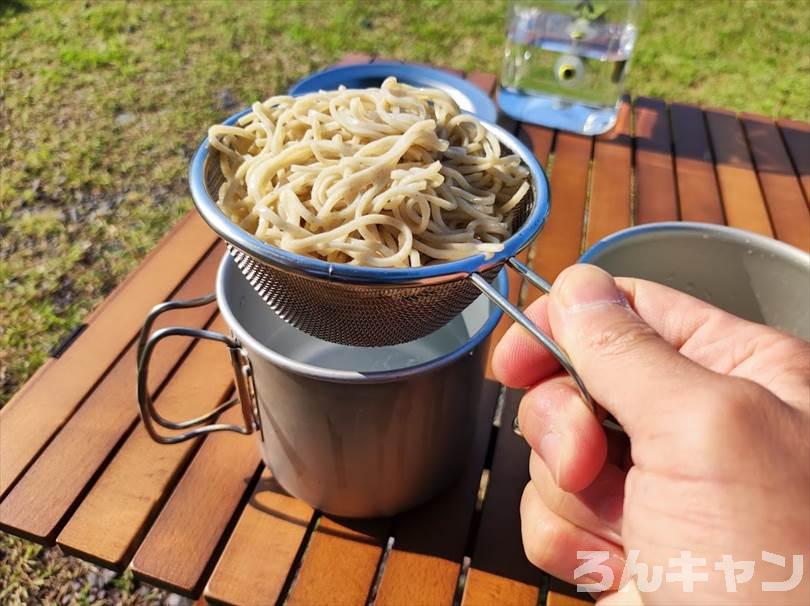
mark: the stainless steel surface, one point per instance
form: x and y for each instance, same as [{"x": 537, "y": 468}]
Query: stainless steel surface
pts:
[
  {"x": 533, "y": 279},
  {"x": 748, "y": 275},
  {"x": 361, "y": 431},
  {"x": 353, "y": 431}
]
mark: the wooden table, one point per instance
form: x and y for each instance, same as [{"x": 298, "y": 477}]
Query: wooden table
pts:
[{"x": 205, "y": 518}]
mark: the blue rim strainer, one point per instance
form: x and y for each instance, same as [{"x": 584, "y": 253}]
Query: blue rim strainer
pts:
[{"x": 371, "y": 306}]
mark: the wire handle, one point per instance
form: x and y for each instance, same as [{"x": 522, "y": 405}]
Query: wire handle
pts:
[
  {"x": 243, "y": 376},
  {"x": 518, "y": 316}
]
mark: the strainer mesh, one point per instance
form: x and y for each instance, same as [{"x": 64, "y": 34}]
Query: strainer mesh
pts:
[
  {"x": 355, "y": 314},
  {"x": 358, "y": 314}
]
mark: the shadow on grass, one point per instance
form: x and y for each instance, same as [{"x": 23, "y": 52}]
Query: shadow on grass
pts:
[{"x": 9, "y": 8}]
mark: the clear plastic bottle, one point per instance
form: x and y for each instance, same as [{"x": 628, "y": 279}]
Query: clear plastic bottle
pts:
[{"x": 565, "y": 62}]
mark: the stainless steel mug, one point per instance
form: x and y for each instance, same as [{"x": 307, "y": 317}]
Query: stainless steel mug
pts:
[
  {"x": 748, "y": 275},
  {"x": 353, "y": 431}
]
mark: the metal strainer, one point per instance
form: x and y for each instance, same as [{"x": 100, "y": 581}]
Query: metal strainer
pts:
[{"x": 372, "y": 306}]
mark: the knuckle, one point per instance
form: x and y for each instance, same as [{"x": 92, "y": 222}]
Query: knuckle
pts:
[
  {"x": 554, "y": 498},
  {"x": 537, "y": 544},
  {"x": 541, "y": 539},
  {"x": 619, "y": 338},
  {"x": 728, "y": 403},
  {"x": 722, "y": 426}
]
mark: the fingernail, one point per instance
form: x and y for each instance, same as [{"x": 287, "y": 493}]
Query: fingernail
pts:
[
  {"x": 585, "y": 286},
  {"x": 550, "y": 453}
]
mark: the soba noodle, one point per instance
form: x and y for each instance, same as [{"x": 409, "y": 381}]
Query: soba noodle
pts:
[{"x": 388, "y": 177}]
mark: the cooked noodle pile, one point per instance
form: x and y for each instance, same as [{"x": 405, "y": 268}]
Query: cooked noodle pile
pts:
[{"x": 388, "y": 177}]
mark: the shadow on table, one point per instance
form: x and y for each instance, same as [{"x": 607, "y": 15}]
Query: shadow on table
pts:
[
  {"x": 718, "y": 137},
  {"x": 270, "y": 484},
  {"x": 450, "y": 526}
]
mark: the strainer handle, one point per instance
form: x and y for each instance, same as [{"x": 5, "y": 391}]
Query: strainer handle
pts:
[
  {"x": 242, "y": 375},
  {"x": 519, "y": 317}
]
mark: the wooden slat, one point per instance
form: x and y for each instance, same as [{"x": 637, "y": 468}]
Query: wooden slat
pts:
[
  {"x": 340, "y": 562},
  {"x": 500, "y": 572},
  {"x": 483, "y": 80},
  {"x": 38, "y": 410},
  {"x": 37, "y": 505},
  {"x": 182, "y": 541},
  {"x": 558, "y": 245},
  {"x": 257, "y": 559},
  {"x": 783, "y": 193},
  {"x": 561, "y": 593},
  {"x": 797, "y": 139},
  {"x": 425, "y": 562},
  {"x": 694, "y": 168},
  {"x": 609, "y": 207},
  {"x": 114, "y": 514},
  {"x": 485, "y": 588},
  {"x": 656, "y": 195},
  {"x": 742, "y": 199},
  {"x": 539, "y": 140},
  {"x": 561, "y": 599}
]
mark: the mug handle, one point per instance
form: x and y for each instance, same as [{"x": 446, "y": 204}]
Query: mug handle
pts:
[{"x": 243, "y": 377}]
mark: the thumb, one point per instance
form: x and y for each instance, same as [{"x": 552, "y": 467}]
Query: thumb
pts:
[{"x": 626, "y": 365}]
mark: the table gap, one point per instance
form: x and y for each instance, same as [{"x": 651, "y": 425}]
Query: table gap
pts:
[
  {"x": 710, "y": 143},
  {"x": 196, "y": 591},
  {"x": 523, "y": 297},
  {"x": 170, "y": 487},
  {"x": 737, "y": 174},
  {"x": 378, "y": 575},
  {"x": 223, "y": 539},
  {"x": 545, "y": 587},
  {"x": 226, "y": 534},
  {"x": 466, "y": 561},
  {"x": 586, "y": 217},
  {"x": 472, "y": 530},
  {"x": 631, "y": 126},
  {"x": 793, "y": 161},
  {"x": 111, "y": 455},
  {"x": 295, "y": 568},
  {"x": 129, "y": 344},
  {"x": 114, "y": 451},
  {"x": 673, "y": 162},
  {"x": 486, "y": 471},
  {"x": 118, "y": 383},
  {"x": 750, "y": 149},
  {"x": 63, "y": 520}
]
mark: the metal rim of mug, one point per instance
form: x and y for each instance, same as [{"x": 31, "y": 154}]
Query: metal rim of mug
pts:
[
  {"x": 227, "y": 267},
  {"x": 725, "y": 233}
]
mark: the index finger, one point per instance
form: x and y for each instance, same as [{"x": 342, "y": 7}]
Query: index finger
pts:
[{"x": 520, "y": 361}]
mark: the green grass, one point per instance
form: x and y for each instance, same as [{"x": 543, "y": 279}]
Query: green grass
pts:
[
  {"x": 101, "y": 104},
  {"x": 83, "y": 196}
]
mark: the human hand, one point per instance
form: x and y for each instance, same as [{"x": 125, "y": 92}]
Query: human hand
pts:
[{"x": 716, "y": 456}]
